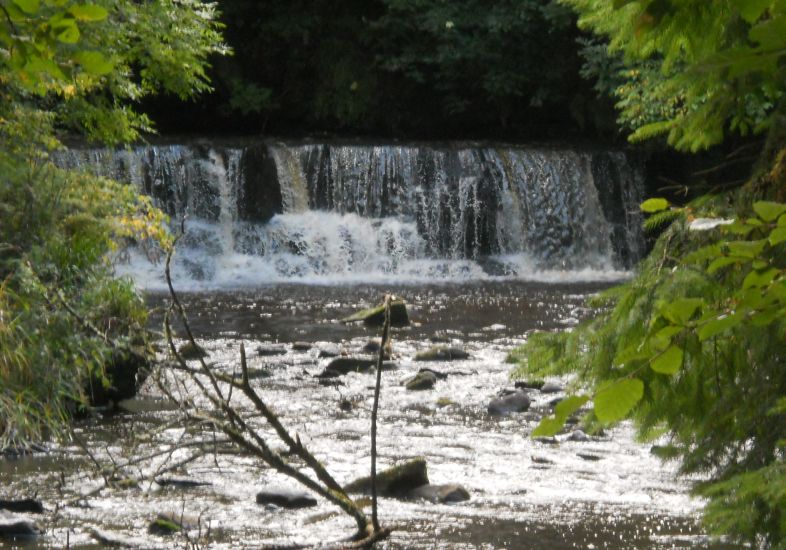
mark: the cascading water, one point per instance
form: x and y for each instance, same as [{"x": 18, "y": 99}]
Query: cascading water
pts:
[{"x": 276, "y": 212}]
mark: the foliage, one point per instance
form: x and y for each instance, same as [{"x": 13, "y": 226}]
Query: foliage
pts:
[
  {"x": 693, "y": 70},
  {"x": 694, "y": 346},
  {"x": 78, "y": 66},
  {"x": 418, "y": 68}
]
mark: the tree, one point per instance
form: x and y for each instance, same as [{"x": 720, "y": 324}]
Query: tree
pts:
[
  {"x": 693, "y": 346},
  {"x": 78, "y": 66}
]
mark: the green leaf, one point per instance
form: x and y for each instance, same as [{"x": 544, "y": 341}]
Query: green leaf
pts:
[
  {"x": 631, "y": 353},
  {"x": 614, "y": 402},
  {"x": 720, "y": 263},
  {"x": 782, "y": 221},
  {"x": 654, "y": 205},
  {"x": 777, "y": 236},
  {"x": 681, "y": 310},
  {"x": 756, "y": 279},
  {"x": 751, "y": 10},
  {"x": 548, "y": 427},
  {"x": 746, "y": 249},
  {"x": 88, "y": 12},
  {"x": 767, "y": 317},
  {"x": 769, "y": 211},
  {"x": 668, "y": 362},
  {"x": 94, "y": 62},
  {"x": 662, "y": 339},
  {"x": 569, "y": 405},
  {"x": 718, "y": 325},
  {"x": 69, "y": 34},
  {"x": 30, "y": 7}
]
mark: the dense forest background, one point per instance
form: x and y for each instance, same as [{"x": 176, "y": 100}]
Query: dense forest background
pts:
[{"x": 415, "y": 69}]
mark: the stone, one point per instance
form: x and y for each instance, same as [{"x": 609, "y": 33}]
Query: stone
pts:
[
  {"x": 510, "y": 403},
  {"x": 113, "y": 540},
  {"x": 529, "y": 384},
  {"x": 329, "y": 351},
  {"x": 189, "y": 351},
  {"x": 579, "y": 436},
  {"x": 12, "y": 527},
  {"x": 394, "y": 482},
  {"x": 301, "y": 346},
  {"x": 180, "y": 482},
  {"x": 343, "y": 365},
  {"x": 22, "y": 505},
  {"x": 551, "y": 387},
  {"x": 375, "y": 316},
  {"x": 286, "y": 498},
  {"x": 424, "y": 380},
  {"x": 589, "y": 456},
  {"x": 268, "y": 350},
  {"x": 440, "y": 494},
  {"x": 442, "y": 353}
]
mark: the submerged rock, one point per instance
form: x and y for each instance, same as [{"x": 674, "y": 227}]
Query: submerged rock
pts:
[
  {"x": 394, "y": 482},
  {"x": 376, "y": 315},
  {"x": 189, "y": 351},
  {"x": 441, "y": 494},
  {"x": 286, "y": 498},
  {"x": 301, "y": 346},
  {"x": 579, "y": 436},
  {"x": 442, "y": 353},
  {"x": 180, "y": 482},
  {"x": 510, "y": 403},
  {"x": 22, "y": 505},
  {"x": 267, "y": 350},
  {"x": 12, "y": 527},
  {"x": 423, "y": 380},
  {"x": 329, "y": 351}
]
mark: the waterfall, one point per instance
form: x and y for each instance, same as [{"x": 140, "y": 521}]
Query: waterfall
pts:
[{"x": 331, "y": 212}]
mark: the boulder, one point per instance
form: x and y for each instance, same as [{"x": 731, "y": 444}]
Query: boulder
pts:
[
  {"x": 423, "y": 380},
  {"x": 301, "y": 346},
  {"x": 375, "y": 316},
  {"x": 268, "y": 350},
  {"x": 440, "y": 493},
  {"x": 441, "y": 353},
  {"x": 510, "y": 403},
  {"x": 286, "y": 498},
  {"x": 344, "y": 365},
  {"x": 22, "y": 505},
  {"x": 125, "y": 372},
  {"x": 12, "y": 527},
  {"x": 394, "y": 482}
]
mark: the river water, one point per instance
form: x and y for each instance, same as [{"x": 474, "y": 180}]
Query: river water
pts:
[
  {"x": 485, "y": 242},
  {"x": 608, "y": 492}
]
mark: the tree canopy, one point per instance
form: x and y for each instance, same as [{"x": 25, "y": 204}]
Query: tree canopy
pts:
[{"x": 81, "y": 67}]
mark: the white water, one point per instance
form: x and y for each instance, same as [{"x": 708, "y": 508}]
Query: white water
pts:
[{"x": 383, "y": 214}]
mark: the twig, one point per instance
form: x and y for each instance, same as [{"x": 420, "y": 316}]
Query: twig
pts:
[{"x": 375, "y": 409}]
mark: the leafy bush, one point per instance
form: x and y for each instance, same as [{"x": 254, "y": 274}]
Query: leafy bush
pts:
[{"x": 694, "y": 347}]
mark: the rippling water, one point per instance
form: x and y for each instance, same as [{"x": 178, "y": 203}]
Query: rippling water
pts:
[{"x": 609, "y": 492}]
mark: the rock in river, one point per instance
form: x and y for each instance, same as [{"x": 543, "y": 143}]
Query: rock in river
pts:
[
  {"x": 344, "y": 365},
  {"x": 286, "y": 498},
  {"x": 13, "y": 526},
  {"x": 267, "y": 350},
  {"x": 510, "y": 403},
  {"x": 376, "y": 315},
  {"x": 394, "y": 482},
  {"x": 441, "y": 353},
  {"x": 189, "y": 351},
  {"x": 423, "y": 380},
  {"x": 22, "y": 505},
  {"x": 440, "y": 493}
]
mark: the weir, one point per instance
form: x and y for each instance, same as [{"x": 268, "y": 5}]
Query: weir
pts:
[{"x": 271, "y": 211}]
